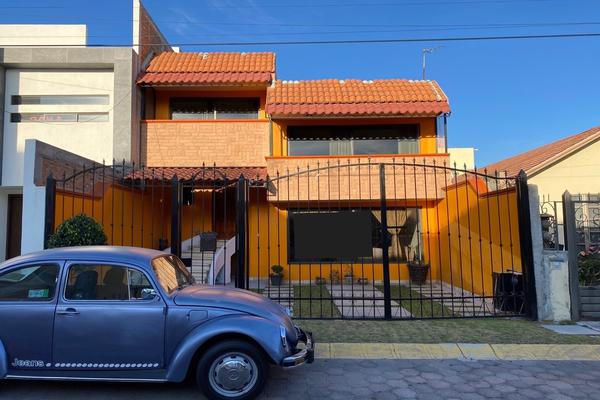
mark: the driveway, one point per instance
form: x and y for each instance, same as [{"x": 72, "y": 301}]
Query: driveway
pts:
[{"x": 366, "y": 379}]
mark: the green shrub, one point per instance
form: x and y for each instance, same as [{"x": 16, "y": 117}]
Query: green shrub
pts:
[
  {"x": 80, "y": 230},
  {"x": 589, "y": 270},
  {"x": 277, "y": 269}
]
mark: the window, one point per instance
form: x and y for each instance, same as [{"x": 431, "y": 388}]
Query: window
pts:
[
  {"x": 100, "y": 99},
  {"x": 348, "y": 140},
  {"x": 320, "y": 236},
  {"x": 221, "y": 108},
  {"x": 58, "y": 117},
  {"x": 31, "y": 283},
  {"x": 107, "y": 282},
  {"x": 171, "y": 273}
]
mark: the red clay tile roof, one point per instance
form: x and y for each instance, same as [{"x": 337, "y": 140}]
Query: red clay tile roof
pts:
[
  {"x": 171, "y": 68},
  {"x": 535, "y": 160},
  {"x": 354, "y": 97},
  {"x": 201, "y": 174}
]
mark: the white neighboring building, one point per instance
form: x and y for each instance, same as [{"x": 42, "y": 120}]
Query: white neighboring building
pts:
[
  {"x": 462, "y": 157},
  {"x": 79, "y": 99}
]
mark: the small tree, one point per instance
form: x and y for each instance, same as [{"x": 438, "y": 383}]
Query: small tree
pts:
[{"x": 80, "y": 230}]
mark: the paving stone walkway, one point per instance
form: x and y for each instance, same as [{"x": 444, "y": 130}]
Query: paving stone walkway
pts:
[
  {"x": 365, "y": 379},
  {"x": 358, "y": 301}
]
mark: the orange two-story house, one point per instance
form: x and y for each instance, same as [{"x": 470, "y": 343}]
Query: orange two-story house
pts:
[{"x": 307, "y": 147}]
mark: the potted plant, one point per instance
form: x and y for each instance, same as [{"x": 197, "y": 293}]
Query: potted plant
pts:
[
  {"x": 276, "y": 275},
  {"x": 320, "y": 281},
  {"x": 417, "y": 271},
  {"x": 334, "y": 277},
  {"x": 80, "y": 230}
]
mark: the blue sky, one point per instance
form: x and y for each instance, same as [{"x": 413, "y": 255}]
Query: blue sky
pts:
[{"x": 506, "y": 96}]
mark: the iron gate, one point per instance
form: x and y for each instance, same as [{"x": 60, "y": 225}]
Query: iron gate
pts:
[{"x": 399, "y": 239}]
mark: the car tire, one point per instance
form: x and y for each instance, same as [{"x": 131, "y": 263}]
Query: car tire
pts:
[{"x": 232, "y": 370}]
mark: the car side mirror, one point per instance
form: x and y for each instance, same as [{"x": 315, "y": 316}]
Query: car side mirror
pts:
[{"x": 149, "y": 294}]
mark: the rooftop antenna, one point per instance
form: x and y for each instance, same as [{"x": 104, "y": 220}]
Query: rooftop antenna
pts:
[{"x": 424, "y": 53}]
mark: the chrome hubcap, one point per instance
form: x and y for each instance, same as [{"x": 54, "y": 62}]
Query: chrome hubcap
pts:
[{"x": 233, "y": 374}]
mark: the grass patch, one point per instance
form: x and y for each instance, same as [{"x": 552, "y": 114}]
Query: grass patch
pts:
[
  {"x": 419, "y": 306},
  {"x": 485, "y": 330},
  {"x": 320, "y": 306}
]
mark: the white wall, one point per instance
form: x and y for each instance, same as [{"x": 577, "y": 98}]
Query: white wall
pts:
[
  {"x": 579, "y": 173},
  {"x": 462, "y": 156},
  {"x": 40, "y": 35},
  {"x": 93, "y": 140},
  {"x": 34, "y": 205}
]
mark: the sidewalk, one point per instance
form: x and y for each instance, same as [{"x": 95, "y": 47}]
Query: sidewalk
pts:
[{"x": 460, "y": 351}]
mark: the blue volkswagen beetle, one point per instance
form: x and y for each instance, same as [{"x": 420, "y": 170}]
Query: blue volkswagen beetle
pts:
[{"x": 131, "y": 314}]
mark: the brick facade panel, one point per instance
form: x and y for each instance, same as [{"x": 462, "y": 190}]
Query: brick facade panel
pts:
[
  {"x": 179, "y": 144},
  {"x": 323, "y": 179}
]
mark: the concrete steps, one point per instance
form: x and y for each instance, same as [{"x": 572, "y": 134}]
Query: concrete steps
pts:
[{"x": 200, "y": 261}]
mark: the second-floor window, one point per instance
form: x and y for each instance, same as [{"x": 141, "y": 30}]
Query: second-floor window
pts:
[
  {"x": 349, "y": 140},
  {"x": 218, "y": 108}
]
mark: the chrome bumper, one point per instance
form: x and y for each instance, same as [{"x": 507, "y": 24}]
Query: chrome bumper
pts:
[{"x": 303, "y": 356}]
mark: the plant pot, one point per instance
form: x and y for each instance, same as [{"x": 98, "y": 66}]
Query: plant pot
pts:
[
  {"x": 276, "y": 279},
  {"x": 417, "y": 272}
]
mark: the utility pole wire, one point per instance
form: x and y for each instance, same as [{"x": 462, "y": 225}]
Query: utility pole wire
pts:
[{"x": 355, "y": 41}]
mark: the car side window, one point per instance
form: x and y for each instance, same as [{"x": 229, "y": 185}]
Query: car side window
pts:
[
  {"x": 29, "y": 283},
  {"x": 106, "y": 282}
]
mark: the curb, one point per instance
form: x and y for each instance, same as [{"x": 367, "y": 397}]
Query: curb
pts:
[{"x": 458, "y": 351}]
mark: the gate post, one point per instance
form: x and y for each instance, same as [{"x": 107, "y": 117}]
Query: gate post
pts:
[
  {"x": 175, "y": 217},
  {"x": 49, "y": 211},
  {"x": 570, "y": 226},
  {"x": 241, "y": 226},
  {"x": 526, "y": 244},
  {"x": 387, "y": 295}
]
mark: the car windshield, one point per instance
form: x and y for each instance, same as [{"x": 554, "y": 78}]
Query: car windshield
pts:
[{"x": 171, "y": 273}]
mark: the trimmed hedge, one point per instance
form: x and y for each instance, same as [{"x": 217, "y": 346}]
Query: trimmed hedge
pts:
[{"x": 80, "y": 230}]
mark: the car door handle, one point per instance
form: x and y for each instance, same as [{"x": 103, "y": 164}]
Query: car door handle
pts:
[{"x": 67, "y": 311}]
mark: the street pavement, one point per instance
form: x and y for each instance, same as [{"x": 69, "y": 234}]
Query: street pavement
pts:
[{"x": 365, "y": 379}]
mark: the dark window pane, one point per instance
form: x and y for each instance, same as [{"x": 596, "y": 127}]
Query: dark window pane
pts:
[
  {"x": 97, "y": 282},
  {"x": 375, "y": 146},
  {"x": 92, "y": 117},
  {"x": 348, "y": 140},
  {"x": 353, "y": 236},
  {"x": 236, "y": 109},
  {"x": 60, "y": 99},
  {"x": 308, "y": 147},
  {"x": 31, "y": 283}
]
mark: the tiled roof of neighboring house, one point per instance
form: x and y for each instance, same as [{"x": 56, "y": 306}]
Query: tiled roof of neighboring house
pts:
[
  {"x": 535, "y": 160},
  {"x": 333, "y": 97},
  {"x": 171, "y": 68},
  {"x": 201, "y": 174}
]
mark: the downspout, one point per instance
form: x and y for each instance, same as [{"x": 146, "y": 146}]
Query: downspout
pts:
[
  {"x": 142, "y": 118},
  {"x": 446, "y": 132}
]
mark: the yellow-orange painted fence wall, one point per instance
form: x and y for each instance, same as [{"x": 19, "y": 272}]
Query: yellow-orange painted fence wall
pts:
[
  {"x": 466, "y": 237},
  {"x": 478, "y": 235},
  {"x": 132, "y": 217}
]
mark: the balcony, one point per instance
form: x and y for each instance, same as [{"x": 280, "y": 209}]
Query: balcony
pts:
[
  {"x": 412, "y": 177},
  {"x": 179, "y": 143}
]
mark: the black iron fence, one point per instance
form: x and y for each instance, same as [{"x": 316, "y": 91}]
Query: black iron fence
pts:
[
  {"x": 357, "y": 238},
  {"x": 395, "y": 239}
]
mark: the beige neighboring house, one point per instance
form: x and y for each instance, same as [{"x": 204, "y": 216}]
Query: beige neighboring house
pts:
[{"x": 572, "y": 164}]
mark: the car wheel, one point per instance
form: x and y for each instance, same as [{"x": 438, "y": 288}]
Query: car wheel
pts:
[{"x": 232, "y": 369}]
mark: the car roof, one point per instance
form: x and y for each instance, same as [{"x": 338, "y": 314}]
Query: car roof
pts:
[{"x": 133, "y": 255}]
